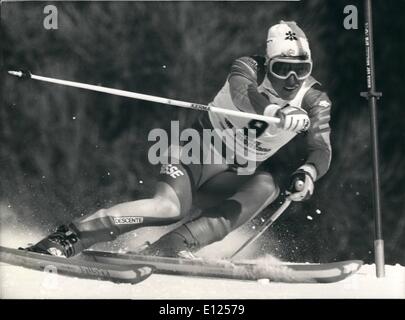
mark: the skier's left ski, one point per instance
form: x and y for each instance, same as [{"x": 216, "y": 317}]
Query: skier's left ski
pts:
[
  {"x": 242, "y": 270},
  {"x": 129, "y": 273}
]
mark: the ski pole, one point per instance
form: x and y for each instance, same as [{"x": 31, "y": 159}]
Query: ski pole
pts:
[
  {"x": 298, "y": 186},
  {"x": 146, "y": 97}
]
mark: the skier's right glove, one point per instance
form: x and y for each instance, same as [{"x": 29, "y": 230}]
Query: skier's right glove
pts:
[
  {"x": 302, "y": 183},
  {"x": 293, "y": 119}
]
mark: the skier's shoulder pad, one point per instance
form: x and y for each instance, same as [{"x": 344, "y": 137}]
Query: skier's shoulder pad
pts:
[
  {"x": 316, "y": 97},
  {"x": 250, "y": 67}
]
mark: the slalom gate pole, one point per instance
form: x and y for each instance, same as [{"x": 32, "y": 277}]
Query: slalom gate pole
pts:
[
  {"x": 146, "y": 97},
  {"x": 372, "y": 95}
]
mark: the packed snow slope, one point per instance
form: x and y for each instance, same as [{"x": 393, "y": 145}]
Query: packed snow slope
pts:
[{"x": 17, "y": 283}]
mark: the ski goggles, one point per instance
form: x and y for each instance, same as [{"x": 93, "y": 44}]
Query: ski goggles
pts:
[{"x": 283, "y": 68}]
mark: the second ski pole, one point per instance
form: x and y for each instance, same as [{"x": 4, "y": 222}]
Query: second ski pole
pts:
[{"x": 298, "y": 186}]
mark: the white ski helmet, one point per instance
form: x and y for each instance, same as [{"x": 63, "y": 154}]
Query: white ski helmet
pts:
[{"x": 286, "y": 39}]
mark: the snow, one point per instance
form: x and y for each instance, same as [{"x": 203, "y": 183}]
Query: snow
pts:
[{"x": 20, "y": 283}]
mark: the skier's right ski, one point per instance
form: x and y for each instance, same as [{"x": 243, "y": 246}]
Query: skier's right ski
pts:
[{"x": 128, "y": 273}]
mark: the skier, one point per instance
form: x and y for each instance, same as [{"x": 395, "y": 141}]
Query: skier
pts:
[{"x": 278, "y": 84}]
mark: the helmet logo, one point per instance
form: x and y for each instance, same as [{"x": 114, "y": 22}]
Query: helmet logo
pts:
[
  {"x": 290, "y": 53},
  {"x": 290, "y": 36}
]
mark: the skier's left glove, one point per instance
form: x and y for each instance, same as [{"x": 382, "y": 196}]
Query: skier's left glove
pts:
[{"x": 302, "y": 183}]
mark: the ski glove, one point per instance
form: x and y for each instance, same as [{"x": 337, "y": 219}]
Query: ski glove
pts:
[
  {"x": 298, "y": 191},
  {"x": 293, "y": 119}
]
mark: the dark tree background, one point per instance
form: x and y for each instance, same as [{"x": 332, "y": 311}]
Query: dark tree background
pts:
[{"x": 66, "y": 152}]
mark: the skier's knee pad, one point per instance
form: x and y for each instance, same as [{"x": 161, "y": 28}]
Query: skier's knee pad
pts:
[
  {"x": 274, "y": 193},
  {"x": 265, "y": 186},
  {"x": 170, "y": 211}
]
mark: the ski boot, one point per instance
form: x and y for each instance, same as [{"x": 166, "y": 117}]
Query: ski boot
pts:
[
  {"x": 172, "y": 244},
  {"x": 187, "y": 254},
  {"x": 64, "y": 242}
]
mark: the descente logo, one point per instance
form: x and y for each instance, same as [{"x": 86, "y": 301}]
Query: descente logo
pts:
[
  {"x": 128, "y": 220},
  {"x": 171, "y": 170}
]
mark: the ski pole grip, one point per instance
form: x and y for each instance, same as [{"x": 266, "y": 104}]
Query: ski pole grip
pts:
[{"x": 299, "y": 185}]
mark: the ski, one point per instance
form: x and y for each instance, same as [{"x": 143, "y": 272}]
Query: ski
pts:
[
  {"x": 241, "y": 270},
  {"x": 102, "y": 270},
  {"x": 134, "y": 268}
]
